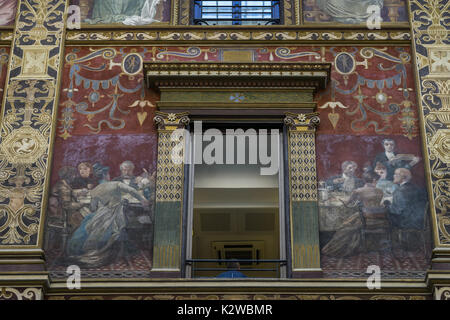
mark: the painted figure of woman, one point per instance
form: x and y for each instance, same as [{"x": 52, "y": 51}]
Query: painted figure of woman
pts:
[
  {"x": 347, "y": 240},
  {"x": 147, "y": 15},
  {"x": 7, "y": 12},
  {"x": 100, "y": 238},
  {"x": 383, "y": 183},
  {"x": 348, "y": 11},
  {"x": 85, "y": 178},
  {"x": 130, "y": 12}
]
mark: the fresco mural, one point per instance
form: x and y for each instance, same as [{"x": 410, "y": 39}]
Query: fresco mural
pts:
[
  {"x": 373, "y": 204},
  {"x": 101, "y": 211},
  {"x": 370, "y": 164},
  {"x": 7, "y": 12},
  {"x": 352, "y": 11},
  {"x": 101, "y": 206},
  {"x": 127, "y": 12},
  {"x": 372, "y": 191}
]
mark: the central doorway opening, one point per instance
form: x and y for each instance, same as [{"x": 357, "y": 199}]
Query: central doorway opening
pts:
[{"x": 236, "y": 205}]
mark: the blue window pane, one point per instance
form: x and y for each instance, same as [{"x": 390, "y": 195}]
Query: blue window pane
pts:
[
  {"x": 225, "y": 9},
  {"x": 209, "y": 16},
  {"x": 255, "y": 12}
]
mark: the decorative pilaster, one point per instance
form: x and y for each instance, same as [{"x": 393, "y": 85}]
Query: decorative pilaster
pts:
[
  {"x": 431, "y": 31},
  {"x": 304, "y": 208},
  {"x": 431, "y": 47},
  {"x": 27, "y": 130},
  {"x": 169, "y": 194}
]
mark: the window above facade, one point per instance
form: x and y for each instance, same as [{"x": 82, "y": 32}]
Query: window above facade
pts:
[{"x": 251, "y": 12}]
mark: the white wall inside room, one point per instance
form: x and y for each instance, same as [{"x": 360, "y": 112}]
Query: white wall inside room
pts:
[
  {"x": 233, "y": 177},
  {"x": 235, "y": 204}
]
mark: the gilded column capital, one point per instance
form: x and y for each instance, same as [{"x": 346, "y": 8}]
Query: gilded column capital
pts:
[
  {"x": 171, "y": 121},
  {"x": 302, "y": 122}
]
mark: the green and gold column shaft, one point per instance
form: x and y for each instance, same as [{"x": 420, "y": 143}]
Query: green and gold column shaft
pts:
[
  {"x": 28, "y": 123},
  {"x": 304, "y": 211},
  {"x": 431, "y": 47},
  {"x": 169, "y": 193}
]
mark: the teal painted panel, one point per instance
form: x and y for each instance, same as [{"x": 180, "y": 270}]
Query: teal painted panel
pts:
[
  {"x": 305, "y": 233},
  {"x": 167, "y": 223},
  {"x": 244, "y": 96},
  {"x": 305, "y": 222}
]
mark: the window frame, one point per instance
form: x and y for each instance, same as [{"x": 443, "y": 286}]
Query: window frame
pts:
[
  {"x": 284, "y": 236},
  {"x": 237, "y": 20}
]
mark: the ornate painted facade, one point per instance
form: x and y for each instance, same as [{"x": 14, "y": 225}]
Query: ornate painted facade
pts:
[{"x": 88, "y": 119}]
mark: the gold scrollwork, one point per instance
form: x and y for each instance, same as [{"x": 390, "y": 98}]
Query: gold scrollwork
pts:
[
  {"x": 442, "y": 293},
  {"x": 8, "y": 293}
]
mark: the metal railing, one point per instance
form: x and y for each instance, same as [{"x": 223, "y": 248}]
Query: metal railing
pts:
[{"x": 276, "y": 263}]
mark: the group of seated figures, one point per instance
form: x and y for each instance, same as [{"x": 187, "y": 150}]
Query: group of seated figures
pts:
[
  {"x": 384, "y": 192},
  {"x": 93, "y": 205}
]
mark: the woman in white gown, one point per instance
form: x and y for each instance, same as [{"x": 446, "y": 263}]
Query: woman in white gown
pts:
[
  {"x": 147, "y": 16},
  {"x": 348, "y": 11},
  {"x": 129, "y": 12}
]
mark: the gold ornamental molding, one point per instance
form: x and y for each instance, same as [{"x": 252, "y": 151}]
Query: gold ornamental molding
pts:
[
  {"x": 236, "y": 90},
  {"x": 301, "y": 289},
  {"x": 239, "y": 35},
  {"x": 181, "y": 74}
]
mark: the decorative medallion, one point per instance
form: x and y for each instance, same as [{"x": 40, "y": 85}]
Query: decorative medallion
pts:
[
  {"x": 345, "y": 63},
  {"x": 34, "y": 63},
  {"x": 24, "y": 146},
  {"x": 440, "y": 145},
  {"x": 237, "y": 97},
  {"x": 132, "y": 64}
]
